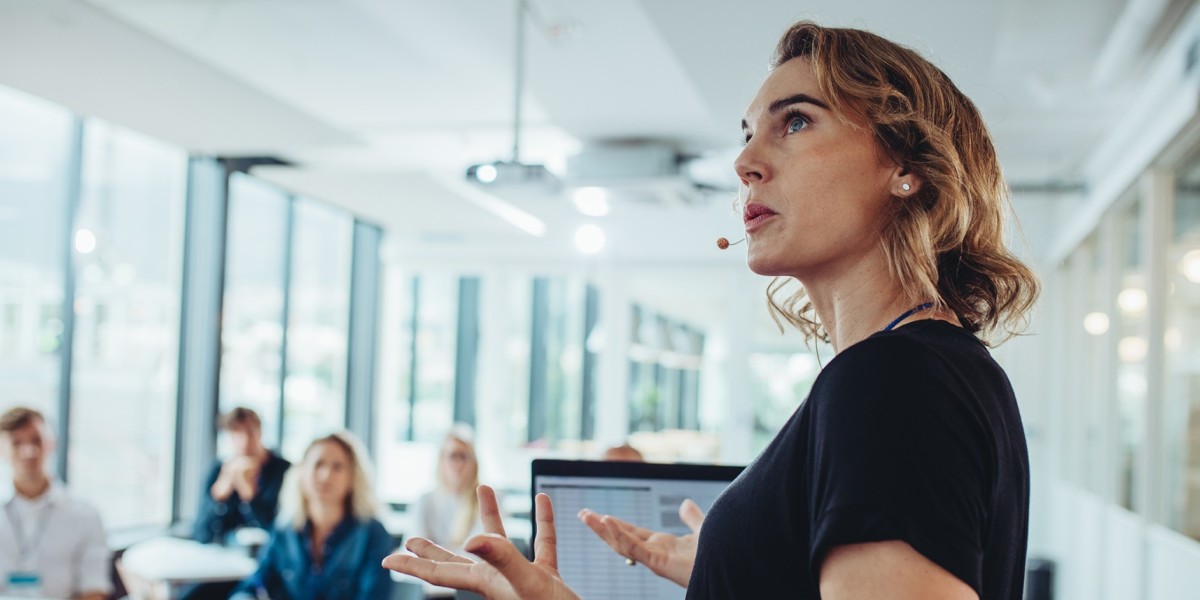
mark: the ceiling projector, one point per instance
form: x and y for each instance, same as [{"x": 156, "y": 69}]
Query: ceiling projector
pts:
[{"x": 505, "y": 173}]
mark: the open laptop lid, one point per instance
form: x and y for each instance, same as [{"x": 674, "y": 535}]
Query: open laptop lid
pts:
[{"x": 645, "y": 494}]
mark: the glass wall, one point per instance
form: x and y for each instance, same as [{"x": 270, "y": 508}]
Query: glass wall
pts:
[
  {"x": 285, "y": 305},
  {"x": 252, "y": 319},
  {"x": 1182, "y": 339},
  {"x": 128, "y": 243},
  {"x": 565, "y": 329},
  {"x": 1132, "y": 346},
  {"x": 416, "y": 378},
  {"x": 779, "y": 383},
  {"x": 436, "y": 340},
  {"x": 664, "y": 377},
  {"x": 318, "y": 323},
  {"x": 35, "y": 151}
]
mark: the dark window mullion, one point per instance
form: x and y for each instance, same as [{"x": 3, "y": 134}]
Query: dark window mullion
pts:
[
  {"x": 285, "y": 311},
  {"x": 74, "y": 173}
]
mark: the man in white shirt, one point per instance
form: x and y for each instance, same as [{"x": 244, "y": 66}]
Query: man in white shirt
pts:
[{"x": 51, "y": 545}]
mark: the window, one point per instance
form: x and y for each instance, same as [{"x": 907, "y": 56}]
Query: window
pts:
[
  {"x": 35, "y": 147},
  {"x": 779, "y": 383},
  {"x": 1182, "y": 339},
  {"x": 565, "y": 330},
  {"x": 415, "y": 406},
  {"x": 128, "y": 258},
  {"x": 1132, "y": 346},
  {"x": 253, "y": 305},
  {"x": 436, "y": 335},
  {"x": 317, "y": 326},
  {"x": 664, "y": 373}
]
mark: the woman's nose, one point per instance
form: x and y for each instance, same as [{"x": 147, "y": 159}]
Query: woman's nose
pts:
[{"x": 749, "y": 165}]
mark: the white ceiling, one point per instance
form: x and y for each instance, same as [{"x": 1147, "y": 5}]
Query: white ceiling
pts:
[{"x": 381, "y": 102}]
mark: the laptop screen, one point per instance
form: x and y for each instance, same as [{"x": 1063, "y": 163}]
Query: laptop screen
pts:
[{"x": 645, "y": 494}]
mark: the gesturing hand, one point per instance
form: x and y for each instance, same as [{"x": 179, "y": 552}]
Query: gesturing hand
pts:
[
  {"x": 667, "y": 555},
  {"x": 504, "y": 573}
]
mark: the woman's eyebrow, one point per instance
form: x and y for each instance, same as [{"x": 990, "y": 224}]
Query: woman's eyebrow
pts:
[{"x": 783, "y": 103}]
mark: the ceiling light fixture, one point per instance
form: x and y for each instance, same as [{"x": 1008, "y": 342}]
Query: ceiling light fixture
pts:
[
  {"x": 513, "y": 171},
  {"x": 591, "y": 201},
  {"x": 589, "y": 239}
]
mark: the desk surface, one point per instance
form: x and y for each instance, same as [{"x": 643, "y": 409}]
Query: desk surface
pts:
[{"x": 184, "y": 561}]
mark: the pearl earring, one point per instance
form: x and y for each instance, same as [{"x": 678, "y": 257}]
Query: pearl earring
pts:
[{"x": 905, "y": 187}]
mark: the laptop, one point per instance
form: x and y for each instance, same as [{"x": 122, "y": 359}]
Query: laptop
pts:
[{"x": 645, "y": 494}]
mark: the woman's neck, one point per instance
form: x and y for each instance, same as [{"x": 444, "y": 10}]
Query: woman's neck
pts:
[
  {"x": 325, "y": 516},
  {"x": 861, "y": 299}
]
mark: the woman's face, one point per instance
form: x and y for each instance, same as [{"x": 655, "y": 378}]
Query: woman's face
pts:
[
  {"x": 458, "y": 465},
  {"x": 815, "y": 187},
  {"x": 328, "y": 473}
]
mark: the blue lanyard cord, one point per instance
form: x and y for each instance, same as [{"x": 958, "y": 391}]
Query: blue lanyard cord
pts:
[{"x": 912, "y": 311}]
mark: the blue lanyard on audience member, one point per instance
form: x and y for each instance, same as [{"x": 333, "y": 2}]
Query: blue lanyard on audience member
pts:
[{"x": 27, "y": 546}]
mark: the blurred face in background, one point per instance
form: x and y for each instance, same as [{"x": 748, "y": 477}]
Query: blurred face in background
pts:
[
  {"x": 457, "y": 465},
  {"x": 245, "y": 439},
  {"x": 26, "y": 448},
  {"x": 328, "y": 474}
]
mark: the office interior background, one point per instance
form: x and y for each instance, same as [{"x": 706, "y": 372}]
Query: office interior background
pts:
[{"x": 265, "y": 203}]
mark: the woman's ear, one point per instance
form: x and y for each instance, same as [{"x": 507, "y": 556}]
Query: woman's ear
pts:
[{"x": 904, "y": 183}]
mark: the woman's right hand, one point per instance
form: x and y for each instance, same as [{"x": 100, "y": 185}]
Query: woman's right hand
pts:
[
  {"x": 669, "y": 556},
  {"x": 503, "y": 574}
]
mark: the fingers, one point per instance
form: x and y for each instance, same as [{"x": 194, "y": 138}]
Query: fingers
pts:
[
  {"x": 545, "y": 545},
  {"x": 446, "y": 574},
  {"x": 526, "y": 580},
  {"x": 595, "y": 522},
  {"x": 619, "y": 535},
  {"x": 691, "y": 514},
  {"x": 628, "y": 544},
  {"x": 427, "y": 549},
  {"x": 640, "y": 532},
  {"x": 489, "y": 511}
]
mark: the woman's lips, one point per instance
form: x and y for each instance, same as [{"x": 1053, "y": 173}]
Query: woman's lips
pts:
[{"x": 756, "y": 215}]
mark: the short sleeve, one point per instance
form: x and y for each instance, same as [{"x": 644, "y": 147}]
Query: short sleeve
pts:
[
  {"x": 94, "y": 555},
  {"x": 897, "y": 453}
]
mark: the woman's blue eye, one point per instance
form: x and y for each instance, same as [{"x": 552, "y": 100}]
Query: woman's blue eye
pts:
[{"x": 796, "y": 124}]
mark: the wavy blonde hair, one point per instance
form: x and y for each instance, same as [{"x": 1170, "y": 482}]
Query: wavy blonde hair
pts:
[
  {"x": 360, "y": 502},
  {"x": 946, "y": 243}
]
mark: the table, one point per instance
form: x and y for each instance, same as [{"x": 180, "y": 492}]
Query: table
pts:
[{"x": 153, "y": 569}]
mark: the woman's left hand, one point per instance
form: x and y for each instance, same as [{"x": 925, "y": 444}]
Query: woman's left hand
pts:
[{"x": 504, "y": 573}]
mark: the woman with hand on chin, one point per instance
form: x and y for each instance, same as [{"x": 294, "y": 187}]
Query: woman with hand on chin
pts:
[
  {"x": 871, "y": 181},
  {"x": 328, "y": 543}
]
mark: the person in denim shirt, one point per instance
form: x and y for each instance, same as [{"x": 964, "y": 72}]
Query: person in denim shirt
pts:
[{"x": 327, "y": 545}]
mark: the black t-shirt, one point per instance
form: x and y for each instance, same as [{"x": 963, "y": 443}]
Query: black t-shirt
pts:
[{"x": 912, "y": 435}]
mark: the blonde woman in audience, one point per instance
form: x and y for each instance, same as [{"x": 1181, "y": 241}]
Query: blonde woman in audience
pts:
[
  {"x": 449, "y": 514},
  {"x": 327, "y": 543}
]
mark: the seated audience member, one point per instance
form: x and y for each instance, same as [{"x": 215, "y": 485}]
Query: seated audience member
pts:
[
  {"x": 623, "y": 453},
  {"x": 244, "y": 490},
  {"x": 327, "y": 544},
  {"x": 51, "y": 545},
  {"x": 449, "y": 514}
]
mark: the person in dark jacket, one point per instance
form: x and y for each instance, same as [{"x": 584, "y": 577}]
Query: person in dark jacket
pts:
[{"x": 242, "y": 491}]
